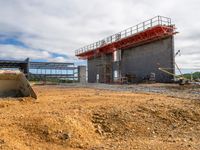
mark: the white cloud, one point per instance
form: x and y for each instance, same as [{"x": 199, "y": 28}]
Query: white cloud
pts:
[
  {"x": 64, "y": 25},
  {"x": 10, "y": 52}
]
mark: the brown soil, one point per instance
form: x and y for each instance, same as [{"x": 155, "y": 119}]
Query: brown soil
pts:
[{"x": 91, "y": 119}]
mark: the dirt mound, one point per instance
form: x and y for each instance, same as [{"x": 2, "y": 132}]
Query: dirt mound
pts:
[
  {"x": 145, "y": 121},
  {"x": 89, "y": 119},
  {"x": 68, "y": 132},
  {"x": 111, "y": 122}
]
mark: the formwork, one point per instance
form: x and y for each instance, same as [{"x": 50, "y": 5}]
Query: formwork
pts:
[{"x": 143, "y": 49}]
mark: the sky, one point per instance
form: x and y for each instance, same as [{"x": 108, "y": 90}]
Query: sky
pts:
[{"x": 51, "y": 30}]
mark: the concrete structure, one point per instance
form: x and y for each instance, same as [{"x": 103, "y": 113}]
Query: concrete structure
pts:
[
  {"x": 146, "y": 59},
  {"x": 140, "y": 61},
  {"x": 82, "y": 74},
  {"x": 133, "y": 54}
]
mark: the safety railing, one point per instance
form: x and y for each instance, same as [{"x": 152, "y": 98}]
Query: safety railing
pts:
[{"x": 158, "y": 20}]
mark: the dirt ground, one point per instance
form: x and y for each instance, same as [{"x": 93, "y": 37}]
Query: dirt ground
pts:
[{"x": 94, "y": 119}]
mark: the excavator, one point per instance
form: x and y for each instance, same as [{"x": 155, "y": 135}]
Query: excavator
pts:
[{"x": 13, "y": 83}]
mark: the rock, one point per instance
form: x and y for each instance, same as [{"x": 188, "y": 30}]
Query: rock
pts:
[
  {"x": 189, "y": 145},
  {"x": 170, "y": 136},
  {"x": 184, "y": 140},
  {"x": 2, "y": 141},
  {"x": 21, "y": 99},
  {"x": 65, "y": 136},
  {"x": 99, "y": 130}
]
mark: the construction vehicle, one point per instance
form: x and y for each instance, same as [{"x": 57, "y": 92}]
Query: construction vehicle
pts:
[
  {"x": 178, "y": 78},
  {"x": 13, "y": 83}
]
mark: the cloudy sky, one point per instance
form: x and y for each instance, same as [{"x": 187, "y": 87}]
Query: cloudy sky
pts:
[{"x": 50, "y": 30}]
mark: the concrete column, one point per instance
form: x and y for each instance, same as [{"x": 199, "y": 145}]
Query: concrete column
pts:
[
  {"x": 27, "y": 68},
  {"x": 82, "y": 74}
]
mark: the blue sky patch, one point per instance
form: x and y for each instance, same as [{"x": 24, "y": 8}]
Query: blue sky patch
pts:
[
  {"x": 59, "y": 55},
  {"x": 12, "y": 41}
]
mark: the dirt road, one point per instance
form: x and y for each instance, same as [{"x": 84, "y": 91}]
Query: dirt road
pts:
[{"x": 94, "y": 119}]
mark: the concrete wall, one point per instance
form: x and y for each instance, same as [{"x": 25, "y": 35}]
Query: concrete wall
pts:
[
  {"x": 144, "y": 59},
  {"x": 96, "y": 66},
  {"x": 82, "y": 74},
  {"x": 92, "y": 70},
  {"x": 140, "y": 61}
]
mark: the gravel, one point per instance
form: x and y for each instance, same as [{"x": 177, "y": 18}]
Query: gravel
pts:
[{"x": 172, "y": 90}]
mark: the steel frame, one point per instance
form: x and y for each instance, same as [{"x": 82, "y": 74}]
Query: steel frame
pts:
[
  {"x": 51, "y": 65},
  {"x": 154, "y": 29},
  {"x": 53, "y": 70},
  {"x": 43, "y": 69}
]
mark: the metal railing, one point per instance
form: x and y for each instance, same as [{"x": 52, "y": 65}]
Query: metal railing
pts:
[{"x": 158, "y": 20}]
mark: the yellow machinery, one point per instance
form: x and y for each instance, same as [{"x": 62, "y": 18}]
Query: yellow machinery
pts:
[{"x": 181, "y": 79}]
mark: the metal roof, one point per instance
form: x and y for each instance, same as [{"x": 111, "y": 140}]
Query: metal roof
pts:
[
  {"x": 51, "y": 65},
  {"x": 12, "y": 62},
  {"x": 37, "y": 65}
]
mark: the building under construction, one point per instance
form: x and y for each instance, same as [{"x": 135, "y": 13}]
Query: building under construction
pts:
[
  {"x": 134, "y": 54},
  {"x": 46, "y": 70}
]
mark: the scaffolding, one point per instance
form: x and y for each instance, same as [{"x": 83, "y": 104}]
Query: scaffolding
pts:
[
  {"x": 153, "y": 29},
  {"x": 106, "y": 69}
]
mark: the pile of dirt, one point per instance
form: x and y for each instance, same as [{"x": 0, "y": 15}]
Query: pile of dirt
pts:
[
  {"x": 68, "y": 131},
  {"x": 149, "y": 122},
  {"x": 83, "y": 118}
]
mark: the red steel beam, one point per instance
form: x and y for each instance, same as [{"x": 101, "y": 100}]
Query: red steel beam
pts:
[{"x": 149, "y": 35}]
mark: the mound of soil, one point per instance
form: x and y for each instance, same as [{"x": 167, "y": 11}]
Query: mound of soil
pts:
[{"x": 90, "y": 119}]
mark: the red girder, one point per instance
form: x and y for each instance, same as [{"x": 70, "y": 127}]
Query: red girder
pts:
[{"x": 148, "y": 35}]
